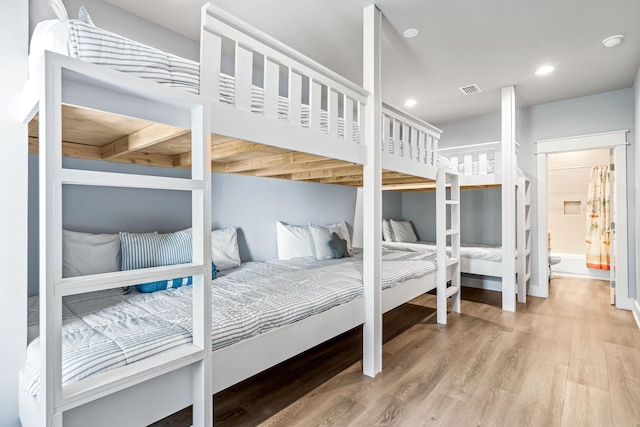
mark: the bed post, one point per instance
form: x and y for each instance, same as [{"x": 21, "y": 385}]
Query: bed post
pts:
[
  {"x": 202, "y": 382},
  {"x": 372, "y": 340},
  {"x": 508, "y": 200}
]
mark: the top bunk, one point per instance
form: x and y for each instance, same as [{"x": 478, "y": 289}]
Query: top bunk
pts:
[
  {"x": 272, "y": 111},
  {"x": 479, "y": 165}
]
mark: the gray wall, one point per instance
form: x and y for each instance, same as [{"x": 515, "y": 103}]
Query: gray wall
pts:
[
  {"x": 250, "y": 203},
  {"x": 392, "y": 205}
]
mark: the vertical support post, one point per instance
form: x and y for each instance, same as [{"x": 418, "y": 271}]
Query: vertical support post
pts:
[
  {"x": 521, "y": 241},
  {"x": 541, "y": 280},
  {"x": 441, "y": 244},
  {"x": 372, "y": 342},
  {"x": 50, "y": 183},
  {"x": 454, "y": 215},
  {"x": 508, "y": 200},
  {"x": 201, "y": 223}
]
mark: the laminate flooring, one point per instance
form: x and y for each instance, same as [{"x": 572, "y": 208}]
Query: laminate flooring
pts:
[{"x": 569, "y": 360}]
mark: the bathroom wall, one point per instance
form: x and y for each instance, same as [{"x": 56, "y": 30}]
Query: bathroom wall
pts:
[{"x": 568, "y": 177}]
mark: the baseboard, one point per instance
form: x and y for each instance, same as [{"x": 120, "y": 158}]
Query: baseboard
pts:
[{"x": 636, "y": 312}]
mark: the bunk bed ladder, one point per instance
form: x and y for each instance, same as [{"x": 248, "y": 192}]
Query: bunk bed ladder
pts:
[
  {"x": 54, "y": 398},
  {"x": 448, "y": 236},
  {"x": 523, "y": 243}
]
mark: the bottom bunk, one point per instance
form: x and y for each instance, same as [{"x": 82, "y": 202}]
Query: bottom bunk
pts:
[{"x": 258, "y": 309}]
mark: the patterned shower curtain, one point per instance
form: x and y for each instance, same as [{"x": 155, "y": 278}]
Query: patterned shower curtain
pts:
[{"x": 598, "y": 219}]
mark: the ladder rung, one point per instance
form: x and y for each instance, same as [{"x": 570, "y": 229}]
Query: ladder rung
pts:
[
  {"x": 452, "y": 290},
  {"x": 451, "y": 231},
  {"x": 452, "y": 261},
  {"x": 452, "y": 202}
]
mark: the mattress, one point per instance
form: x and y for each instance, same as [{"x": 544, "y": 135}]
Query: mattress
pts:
[
  {"x": 477, "y": 251},
  {"x": 79, "y": 40},
  {"x": 109, "y": 329}
]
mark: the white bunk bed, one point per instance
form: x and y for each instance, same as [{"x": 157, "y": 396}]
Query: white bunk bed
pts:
[
  {"x": 136, "y": 394},
  {"x": 480, "y": 166}
]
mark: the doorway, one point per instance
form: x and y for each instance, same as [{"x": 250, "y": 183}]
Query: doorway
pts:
[
  {"x": 616, "y": 142},
  {"x": 569, "y": 207}
]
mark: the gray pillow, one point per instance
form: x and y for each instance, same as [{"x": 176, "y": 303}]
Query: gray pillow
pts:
[{"x": 338, "y": 246}]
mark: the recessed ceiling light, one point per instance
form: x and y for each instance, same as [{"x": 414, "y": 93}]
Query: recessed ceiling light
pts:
[
  {"x": 411, "y": 33},
  {"x": 410, "y": 103},
  {"x": 545, "y": 69},
  {"x": 613, "y": 41}
]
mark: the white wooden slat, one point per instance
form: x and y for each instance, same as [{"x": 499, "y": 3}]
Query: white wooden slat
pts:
[
  {"x": 332, "y": 111},
  {"x": 271, "y": 87},
  {"x": 124, "y": 180},
  {"x": 433, "y": 150},
  {"x": 210, "y": 58},
  {"x": 243, "y": 77},
  {"x": 295, "y": 97},
  {"x": 482, "y": 164},
  {"x": 423, "y": 152},
  {"x": 97, "y": 282},
  {"x": 394, "y": 147},
  {"x": 348, "y": 119},
  {"x": 386, "y": 131},
  {"x": 315, "y": 103},
  {"x": 406, "y": 141}
]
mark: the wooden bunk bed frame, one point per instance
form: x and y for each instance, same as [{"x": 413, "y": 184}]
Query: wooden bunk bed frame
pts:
[
  {"x": 472, "y": 162},
  {"x": 78, "y": 109}
]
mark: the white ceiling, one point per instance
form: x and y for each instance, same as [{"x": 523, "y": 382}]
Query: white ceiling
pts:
[{"x": 492, "y": 43}]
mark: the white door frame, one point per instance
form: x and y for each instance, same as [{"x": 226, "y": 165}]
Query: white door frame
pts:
[{"x": 617, "y": 141}]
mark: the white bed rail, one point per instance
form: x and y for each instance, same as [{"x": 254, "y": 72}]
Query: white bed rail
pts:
[
  {"x": 408, "y": 140},
  {"x": 316, "y": 97},
  {"x": 477, "y": 164}
]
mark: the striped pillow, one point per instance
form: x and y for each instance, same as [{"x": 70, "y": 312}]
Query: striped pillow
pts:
[{"x": 145, "y": 250}]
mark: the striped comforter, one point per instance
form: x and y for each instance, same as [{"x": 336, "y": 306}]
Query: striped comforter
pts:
[
  {"x": 108, "y": 329},
  {"x": 467, "y": 250}
]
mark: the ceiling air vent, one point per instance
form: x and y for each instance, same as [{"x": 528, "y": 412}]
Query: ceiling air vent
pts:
[{"x": 468, "y": 90}]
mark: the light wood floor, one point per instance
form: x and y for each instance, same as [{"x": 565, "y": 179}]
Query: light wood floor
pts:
[{"x": 569, "y": 360}]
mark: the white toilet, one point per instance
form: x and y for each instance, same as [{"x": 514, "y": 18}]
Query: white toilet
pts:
[{"x": 553, "y": 260}]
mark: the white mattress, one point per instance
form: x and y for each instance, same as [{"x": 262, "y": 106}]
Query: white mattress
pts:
[
  {"x": 467, "y": 250},
  {"x": 108, "y": 329}
]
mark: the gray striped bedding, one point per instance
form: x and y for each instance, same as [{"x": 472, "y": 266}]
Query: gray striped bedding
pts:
[
  {"x": 467, "y": 250},
  {"x": 108, "y": 329}
]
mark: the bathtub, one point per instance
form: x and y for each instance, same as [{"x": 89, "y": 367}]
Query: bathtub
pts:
[{"x": 576, "y": 265}]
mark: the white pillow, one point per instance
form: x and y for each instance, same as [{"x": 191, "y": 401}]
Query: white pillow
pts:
[
  {"x": 86, "y": 253},
  {"x": 321, "y": 235},
  {"x": 387, "y": 233},
  {"x": 224, "y": 248},
  {"x": 294, "y": 241},
  {"x": 403, "y": 231},
  {"x": 59, "y": 9}
]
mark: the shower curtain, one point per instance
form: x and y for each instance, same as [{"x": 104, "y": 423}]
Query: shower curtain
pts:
[{"x": 598, "y": 219}]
